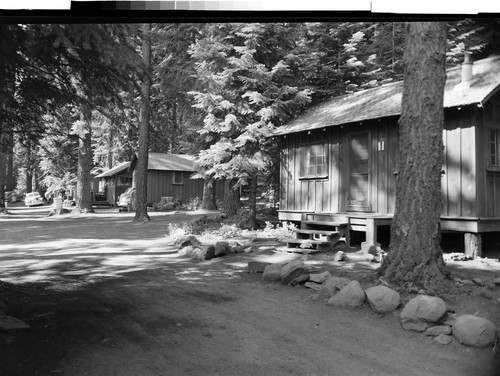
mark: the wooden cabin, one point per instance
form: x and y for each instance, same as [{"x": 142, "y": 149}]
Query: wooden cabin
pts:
[
  {"x": 169, "y": 175},
  {"x": 115, "y": 181},
  {"x": 339, "y": 159}
]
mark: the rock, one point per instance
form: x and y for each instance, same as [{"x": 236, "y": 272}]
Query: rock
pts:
[
  {"x": 372, "y": 248},
  {"x": 291, "y": 271},
  {"x": 444, "y": 339},
  {"x": 450, "y": 319},
  {"x": 11, "y": 323},
  {"x": 272, "y": 273},
  {"x": 319, "y": 277},
  {"x": 186, "y": 251},
  {"x": 222, "y": 249},
  {"x": 198, "y": 254},
  {"x": 382, "y": 299},
  {"x": 189, "y": 240},
  {"x": 257, "y": 266},
  {"x": 209, "y": 252},
  {"x": 421, "y": 312},
  {"x": 238, "y": 249},
  {"x": 437, "y": 330},
  {"x": 467, "y": 282},
  {"x": 496, "y": 281},
  {"x": 340, "y": 256},
  {"x": 300, "y": 279},
  {"x": 350, "y": 296},
  {"x": 487, "y": 294},
  {"x": 474, "y": 331},
  {"x": 332, "y": 285},
  {"x": 313, "y": 285},
  {"x": 478, "y": 281}
]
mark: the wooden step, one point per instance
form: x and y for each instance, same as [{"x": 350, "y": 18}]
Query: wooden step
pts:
[
  {"x": 324, "y": 223},
  {"x": 318, "y": 232},
  {"x": 318, "y": 245}
]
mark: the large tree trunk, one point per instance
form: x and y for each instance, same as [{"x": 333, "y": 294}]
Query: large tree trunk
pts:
[
  {"x": 415, "y": 256},
  {"x": 252, "y": 203},
  {"x": 208, "y": 202},
  {"x": 141, "y": 209},
  {"x": 83, "y": 196},
  {"x": 231, "y": 197}
]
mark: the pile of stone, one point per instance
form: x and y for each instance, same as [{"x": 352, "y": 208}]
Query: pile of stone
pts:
[
  {"x": 191, "y": 247},
  {"x": 424, "y": 313}
]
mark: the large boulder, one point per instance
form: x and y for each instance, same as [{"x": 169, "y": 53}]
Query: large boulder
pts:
[
  {"x": 209, "y": 252},
  {"x": 382, "y": 299},
  {"x": 272, "y": 273},
  {"x": 333, "y": 284},
  {"x": 474, "y": 331},
  {"x": 291, "y": 271},
  {"x": 198, "y": 254},
  {"x": 319, "y": 277},
  {"x": 351, "y": 296},
  {"x": 257, "y": 266},
  {"x": 222, "y": 249},
  {"x": 422, "y": 312},
  {"x": 188, "y": 240}
]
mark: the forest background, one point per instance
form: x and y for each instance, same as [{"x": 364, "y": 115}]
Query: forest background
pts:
[{"x": 73, "y": 96}]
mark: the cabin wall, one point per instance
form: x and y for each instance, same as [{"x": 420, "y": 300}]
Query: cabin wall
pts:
[
  {"x": 330, "y": 193},
  {"x": 488, "y": 184},
  {"x": 161, "y": 184},
  {"x": 458, "y": 181}
]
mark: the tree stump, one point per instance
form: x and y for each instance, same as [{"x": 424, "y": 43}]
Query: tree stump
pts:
[{"x": 472, "y": 244}]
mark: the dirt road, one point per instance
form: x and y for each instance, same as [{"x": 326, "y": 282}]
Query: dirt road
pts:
[{"x": 104, "y": 296}]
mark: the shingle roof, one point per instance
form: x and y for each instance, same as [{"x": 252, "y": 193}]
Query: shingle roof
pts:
[
  {"x": 384, "y": 101},
  {"x": 171, "y": 162},
  {"x": 115, "y": 170},
  {"x": 158, "y": 161}
]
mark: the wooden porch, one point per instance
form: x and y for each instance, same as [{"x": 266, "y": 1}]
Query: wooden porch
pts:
[{"x": 340, "y": 224}]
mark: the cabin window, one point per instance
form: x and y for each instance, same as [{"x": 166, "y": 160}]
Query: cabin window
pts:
[
  {"x": 495, "y": 147},
  {"x": 177, "y": 177},
  {"x": 124, "y": 180},
  {"x": 313, "y": 161}
]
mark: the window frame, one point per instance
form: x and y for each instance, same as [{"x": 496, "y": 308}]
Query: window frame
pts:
[
  {"x": 304, "y": 154},
  {"x": 177, "y": 174}
]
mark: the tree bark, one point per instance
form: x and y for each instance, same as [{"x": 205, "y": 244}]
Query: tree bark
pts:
[
  {"x": 415, "y": 256},
  {"x": 83, "y": 196},
  {"x": 209, "y": 194},
  {"x": 252, "y": 203},
  {"x": 231, "y": 197},
  {"x": 141, "y": 209},
  {"x": 29, "y": 171}
]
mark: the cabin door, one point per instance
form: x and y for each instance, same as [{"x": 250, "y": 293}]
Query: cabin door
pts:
[{"x": 359, "y": 174}]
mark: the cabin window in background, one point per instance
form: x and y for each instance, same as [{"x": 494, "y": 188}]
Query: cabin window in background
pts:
[
  {"x": 124, "y": 180},
  {"x": 495, "y": 147},
  {"x": 313, "y": 161},
  {"x": 177, "y": 177}
]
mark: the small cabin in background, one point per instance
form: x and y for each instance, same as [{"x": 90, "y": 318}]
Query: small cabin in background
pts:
[
  {"x": 339, "y": 159},
  {"x": 169, "y": 175}
]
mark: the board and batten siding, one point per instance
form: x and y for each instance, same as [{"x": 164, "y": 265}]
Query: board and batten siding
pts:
[
  {"x": 488, "y": 176},
  {"x": 329, "y": 194},
  {"x": 458, "y": 180},
  {"x": 161, "y": 184}
]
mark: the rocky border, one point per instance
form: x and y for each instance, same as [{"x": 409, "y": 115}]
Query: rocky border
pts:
[{"x": 423, "y": 313}]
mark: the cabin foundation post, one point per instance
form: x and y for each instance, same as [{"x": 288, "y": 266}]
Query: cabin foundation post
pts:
[
  {"x": 472, "y": 244},
  {"x": 371, "y": 231}
]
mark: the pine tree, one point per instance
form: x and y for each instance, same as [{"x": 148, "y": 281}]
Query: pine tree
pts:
[{"x": 245, "y": 76}]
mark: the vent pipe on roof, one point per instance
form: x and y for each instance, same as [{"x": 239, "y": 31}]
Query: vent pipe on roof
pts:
[{"x": 467, "y": 68}]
